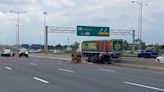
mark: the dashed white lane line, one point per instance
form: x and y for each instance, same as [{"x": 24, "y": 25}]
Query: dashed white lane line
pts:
[
  {"x": 8, "y": 68},
  {"x": 65, "y": 70},
  {"x": 41, "y": 80},
  {"x": 144, "y": 86},
  {"x": 33, "y": 64},
  {"x": 107, "y": 70}
]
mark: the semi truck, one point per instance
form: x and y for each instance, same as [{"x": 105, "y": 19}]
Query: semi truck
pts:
[{"x": 96, "y": 47}]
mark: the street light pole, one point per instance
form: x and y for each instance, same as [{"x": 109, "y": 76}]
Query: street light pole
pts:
[
  {"x": 45, "y": 34},
  {"x": 18, "y": 30},
  {"x": 16, "y": 34},
  {"x": 18, "y": 24},
  {"x": 139, "y": 23}
]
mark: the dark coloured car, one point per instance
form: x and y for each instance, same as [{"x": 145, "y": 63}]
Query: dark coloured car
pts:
[{"x": 148, "y": 54}]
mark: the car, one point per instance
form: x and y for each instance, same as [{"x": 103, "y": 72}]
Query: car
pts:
[
  {"x": 35, "y": 50},
  {"x": 57, "y": 52},
  {"x": 160, "y": 59},
  {"x": 148, "y": 54},
  {"x": 7, "y": 52},
  {"x": 23, "y": 52}
]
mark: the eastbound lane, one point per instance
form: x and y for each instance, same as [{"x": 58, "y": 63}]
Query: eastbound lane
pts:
[
  {"x": 11, "y": 81},
  {"x": 47, "y": 75}
]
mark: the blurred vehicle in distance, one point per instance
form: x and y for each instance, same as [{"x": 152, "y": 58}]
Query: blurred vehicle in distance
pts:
[
  {"x": 7, "y": 52},
  {"x": 149, "y": 52},
  {"x": 56, "y": 51},
  {"x": 137, "y": 52},
  {"x": 35, "y": 50},
  {"x": 23, "y": 52},
  {"x": 160, "y": 59}
]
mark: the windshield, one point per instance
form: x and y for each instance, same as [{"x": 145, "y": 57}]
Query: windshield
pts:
[{"x": 23, "y": 50}]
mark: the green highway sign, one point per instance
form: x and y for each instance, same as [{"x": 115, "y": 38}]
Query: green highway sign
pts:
[{"x": 92, "y": 31}]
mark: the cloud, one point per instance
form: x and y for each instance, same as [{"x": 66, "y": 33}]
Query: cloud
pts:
[
  {"x": 16, "y": 2},
  {"x": 118, "y": 14}
]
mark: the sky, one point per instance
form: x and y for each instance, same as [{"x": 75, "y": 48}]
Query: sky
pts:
[{"x": 116, "y": 14}]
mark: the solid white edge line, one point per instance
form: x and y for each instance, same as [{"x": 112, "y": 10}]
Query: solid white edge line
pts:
[
  {"x": 8, "y": 68},
  {"x": 144, "y": 86},
  {"x": 39, "y": 79},
  {"x": 108, "y": 70},
  {"x": 66, "y": 70}
]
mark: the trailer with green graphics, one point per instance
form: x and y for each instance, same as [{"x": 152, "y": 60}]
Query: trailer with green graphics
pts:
[{"x": 114, "y": 47}]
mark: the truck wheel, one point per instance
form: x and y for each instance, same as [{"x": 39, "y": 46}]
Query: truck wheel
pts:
[{"x": 88, "y": 59}]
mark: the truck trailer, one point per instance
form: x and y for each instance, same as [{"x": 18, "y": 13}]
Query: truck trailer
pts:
[{"x": 96, "y": 47}]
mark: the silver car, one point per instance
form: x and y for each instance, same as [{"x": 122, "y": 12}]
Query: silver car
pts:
[
  {"x": 7, "y": 52},
  {"x": 160, "y": 59},
  {"x": 23, "y": 52}
]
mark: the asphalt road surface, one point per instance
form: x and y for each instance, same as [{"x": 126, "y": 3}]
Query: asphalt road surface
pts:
[
  {"x": 47, "y": 75},
  {"x": 139, "y": 59}
]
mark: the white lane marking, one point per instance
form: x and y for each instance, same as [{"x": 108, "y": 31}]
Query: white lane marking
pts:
[
  {"x": 107, "y": 70},
  {"x": 8, "y": 68},
  {"x": 33, "y": 64},
  {"x": 144, "y": 86},
  {"x": 66, "y": 70},
  {"x": 39, "y": 79}
]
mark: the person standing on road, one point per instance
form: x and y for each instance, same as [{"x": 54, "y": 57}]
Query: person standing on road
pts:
[
  {"x": 79, "y": 57},
  {"x": 74, "y": 56}
]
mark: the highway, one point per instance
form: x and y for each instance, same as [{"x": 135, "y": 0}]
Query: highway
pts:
[
  {"x": 139, "y": 59},
  {"x": 48, "y": 75}
]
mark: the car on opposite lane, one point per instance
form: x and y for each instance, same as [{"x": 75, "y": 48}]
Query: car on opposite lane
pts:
[
  {"x": 7, "y": 52},
  {"x": 23, "y": 52},
  {"x": 160, "y": 59}
]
